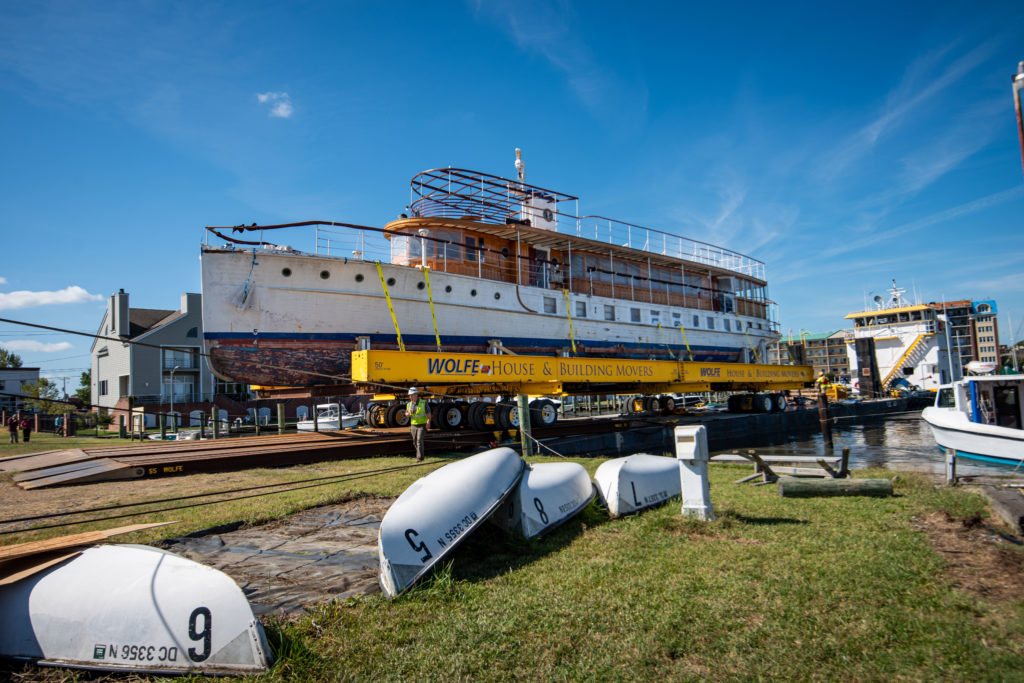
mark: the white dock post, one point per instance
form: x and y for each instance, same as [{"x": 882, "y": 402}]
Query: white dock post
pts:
[
  {"x": 692, "y": 454},
  {"x": 950, "y": 466}
]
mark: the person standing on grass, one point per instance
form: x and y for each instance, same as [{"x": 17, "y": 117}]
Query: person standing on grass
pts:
[
  {"x": 26, "y": 429},
  {"x": 57, "y": 424},
  {"x": 12, "y": 427},
  {"x": 417, "y": 410}
]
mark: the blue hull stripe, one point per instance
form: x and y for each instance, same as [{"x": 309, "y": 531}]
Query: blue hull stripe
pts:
[{"x": 986, "y": 458}]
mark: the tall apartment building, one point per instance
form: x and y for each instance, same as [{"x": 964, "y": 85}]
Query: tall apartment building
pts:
[
  {"x": 973, "y": 329},
  {"x": 826, "y": 352}
]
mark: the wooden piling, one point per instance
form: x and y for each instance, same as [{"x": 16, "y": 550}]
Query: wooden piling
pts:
[{"x": 826, "y": 425}]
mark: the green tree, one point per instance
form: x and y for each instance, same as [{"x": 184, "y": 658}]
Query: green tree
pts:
[
  {"x": 84, "y": 392},
  {"x": 8, "y": 359},
  {"x": 44, "y": 395}
]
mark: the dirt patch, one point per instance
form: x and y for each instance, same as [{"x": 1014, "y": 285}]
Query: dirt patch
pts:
[{"x": 982, "y": 560}]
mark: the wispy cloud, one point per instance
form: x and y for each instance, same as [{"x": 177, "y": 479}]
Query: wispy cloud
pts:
[
  {"x": 26, "y": 299},
  {"x": 27, "y": 345},
  {"x": 3, "y": 281},
  {"x": 280, "y": 104}
]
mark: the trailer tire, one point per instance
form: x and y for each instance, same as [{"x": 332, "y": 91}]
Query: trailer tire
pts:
[
  {"x": 475, "y": 416},
  {"x": 779, "y": 403},
  {"x": 763, "y": 403},
  {"x": 397, "y": 416},
  {"x": 506, "y": 416},
  {"x": 734, "y": 404},
  {"x": 651, "y": 404},
  {"x": 668, "y": 404},
  {"x": 449, "y": 415},
  {"x": 543, "y": 413},
  {"x": 375, "y": 415}
]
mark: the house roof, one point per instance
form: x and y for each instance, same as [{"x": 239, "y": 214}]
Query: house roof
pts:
[{"x": 144, "y": 319}]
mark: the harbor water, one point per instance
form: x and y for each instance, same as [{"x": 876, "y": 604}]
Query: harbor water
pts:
[{"x": 899, "y": 442}]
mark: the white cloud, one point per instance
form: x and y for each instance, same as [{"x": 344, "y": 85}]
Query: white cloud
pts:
[
  {"x": 280, "y": 103},
  {"x": 3, "y": 281},
  {"x": 27, "y": 345},
  {"x": 26, "y": 299}
]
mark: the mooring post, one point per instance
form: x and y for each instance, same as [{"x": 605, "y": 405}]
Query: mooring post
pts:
[
  {"x": 256, "y": 414},
  {"x": 692, "y": 454},
  {"x": 215, "y": 413},
  {"x": 120, "y": 426},
  {"x": 316, "y": 420},
  {"x": 524, "y": 424},
  {"x": 951, "y": 466},
  {"x": 161, "y": 421},
  {"x": 280, "y": 418},
  {"x": 202, "y": 425},
  {"x": 844, "y": 464},
  {"x": 826, "y": 426}
]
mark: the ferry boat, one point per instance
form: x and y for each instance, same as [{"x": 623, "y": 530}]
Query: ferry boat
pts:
[
  {"x": 980, "y": 418},
  {"x": 476, "y": 263},
  {"x": 909, "y": 341}
]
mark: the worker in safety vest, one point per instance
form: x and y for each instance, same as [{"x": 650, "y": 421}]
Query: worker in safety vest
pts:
[
  {"x": 822, "y": 382},
  {"x": 417, "y": 410}
]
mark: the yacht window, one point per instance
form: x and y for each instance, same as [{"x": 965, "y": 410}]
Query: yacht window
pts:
[
  {"x": 696, "y": 321},
  {"x": 609, "y": 312},
  {"x": 945, "y": 399},
  {"x": 915, "y": 315},
  {"x": 471, "y": 248},
  {"x": 711, "y": 323},
  {"x": 677, "y": 317},
  {"x": 550, "y": 305},
  {"x": 634, "y": 315},
  {"x": 581, "y": 309},
  {"x": 655, "y": 317},
  {"x": 727, "y": 328}
]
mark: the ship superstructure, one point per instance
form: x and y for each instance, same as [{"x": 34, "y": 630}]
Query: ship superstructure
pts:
[{"x": 476, "y": 263}]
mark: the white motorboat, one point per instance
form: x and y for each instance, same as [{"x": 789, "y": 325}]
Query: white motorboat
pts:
[
  {"x": 980, "y": 418},
  {"x": 129, "y": 607},
  {"x": 636, "y": 482},
  {"x": 547, "y": 495},
  {"x": 438, "y": 511},
  {"x": 330, "y": 417}
]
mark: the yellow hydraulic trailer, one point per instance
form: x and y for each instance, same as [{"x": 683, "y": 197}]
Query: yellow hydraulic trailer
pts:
[{"x": 481, "y": 374}]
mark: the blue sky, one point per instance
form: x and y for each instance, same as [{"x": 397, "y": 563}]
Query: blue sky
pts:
[{"x": 842, "y": 145}]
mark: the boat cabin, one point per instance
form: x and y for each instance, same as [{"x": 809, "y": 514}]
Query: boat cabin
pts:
[{"x": 993, "y": 400}]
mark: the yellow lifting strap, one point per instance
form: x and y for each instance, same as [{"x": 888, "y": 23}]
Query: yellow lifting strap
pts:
[
  {"x": 750, "y": 342},
  {"x": 430, "y": 297},
  {"x": 387, "y": 297},
  {"x": 568, "y": 313},
  {"x": 665, "y": 342},
  {"x": 688, "y": 352}
]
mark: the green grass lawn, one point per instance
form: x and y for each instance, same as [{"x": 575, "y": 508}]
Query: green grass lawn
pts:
[{"x": 813, "y": 588}]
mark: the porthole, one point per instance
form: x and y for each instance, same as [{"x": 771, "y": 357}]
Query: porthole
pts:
[
  {"x": 420, "y": 285},
  {"x": 505, "y": 252},
  {"x": 448, "y": 289},
  {"x": 359, "y": 277},
  {"x": 391, "y": 282},
  {"x": 287, "y": 272},
  {"x": 497, "y": 295},
  {"x": 324, "y": 275},
  {"x": 472, "y": 292}
]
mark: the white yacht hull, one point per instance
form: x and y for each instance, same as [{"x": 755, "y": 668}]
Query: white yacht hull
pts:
[
  {"x": 133, "y": 608},
  {"x": 438, "y": 511},
  {"x": 989, "y": 443},
  {"x": 547, "y": 495},
  {"x": 636, "y": 482}
]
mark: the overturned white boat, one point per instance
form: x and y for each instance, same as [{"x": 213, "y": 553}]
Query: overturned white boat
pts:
[
  {"x": 438, "y": 511},
  {"x": 129, "y": 607},
  {"x": 636, "y": 482},
  {"x": 547, "y": 495}
]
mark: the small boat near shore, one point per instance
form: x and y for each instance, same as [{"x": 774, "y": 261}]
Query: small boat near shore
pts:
[
  {"x": 636, "y": 482},
  {"x": 980, "y": 418},
  {"x": 130, "y": 607},
  {"x": 330, "y": 417},
  {"x": 438, "y": 511},
  {"x": 548, "y": 495}
]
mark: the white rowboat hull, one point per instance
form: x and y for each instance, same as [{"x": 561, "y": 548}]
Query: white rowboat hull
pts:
[
  {"x": 135, "y": 608},
  {"x": 636, "y": 482},
  {"x": 547, "y": 495},
  {"x": 438, "y": 511}
]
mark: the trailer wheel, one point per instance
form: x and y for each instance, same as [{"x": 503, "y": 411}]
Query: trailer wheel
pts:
[
  {"x": 763, "y": 403},
  {"x": 780, "y": 402},
  {"x": 636, "y": 404},
  {"x": 734, "y": 404},
  {"x": 449, "y": 416},
  {"x": 375, "y": 415},
  {"x": 543, "y": 413},
  {"x": 668, "y": 404},
  {"x": 475, "y": 416},
  {"x": 651, "y": 404},
  {"x": 506, "y": 416},
  {"x": 397, "y": 416}
]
